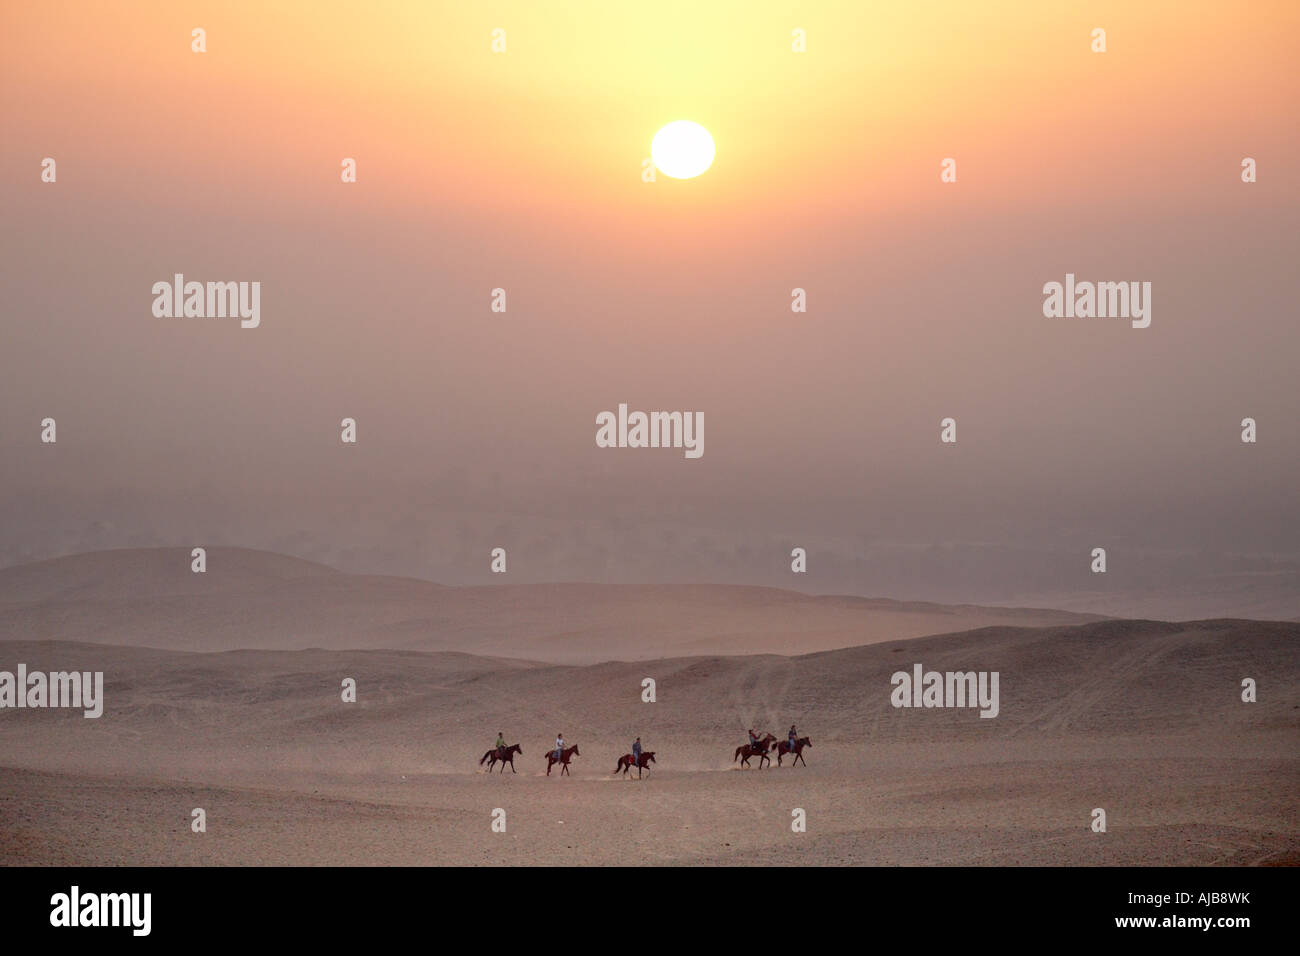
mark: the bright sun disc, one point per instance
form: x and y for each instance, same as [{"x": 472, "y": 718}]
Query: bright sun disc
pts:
[{"x": 682, "y": 149}]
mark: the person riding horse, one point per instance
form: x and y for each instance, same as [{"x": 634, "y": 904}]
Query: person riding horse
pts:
[{"x": 501, "y": 745}]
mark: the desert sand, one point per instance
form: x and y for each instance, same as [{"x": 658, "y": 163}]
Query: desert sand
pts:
[
  {"x": 1141, "y": 718},
  {"x": 256, "y": 599}
]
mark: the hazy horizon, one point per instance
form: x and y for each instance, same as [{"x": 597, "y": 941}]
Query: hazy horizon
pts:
[{"x": 478, "y": 171}]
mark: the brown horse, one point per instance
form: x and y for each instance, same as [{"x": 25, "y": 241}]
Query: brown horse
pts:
[
  {"x": 626, "y": 763},
  {"x": 493, "y": 755},
  {"x": 565, "y": 756},
  {"x": 784, "y": 748},
  {"x": 745, "y": 751}
]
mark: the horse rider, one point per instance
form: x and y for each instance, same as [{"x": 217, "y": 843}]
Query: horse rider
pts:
[
  {"x": 753, "y": 741},
  {"x": 793, "y": 737},
  {"x": 636, "y": 753},
  {"x": 501, "y": 745},
  {"x": 559, "y": 746}
]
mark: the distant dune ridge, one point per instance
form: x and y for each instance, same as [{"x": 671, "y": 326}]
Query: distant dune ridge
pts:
[
  {"x": 1142, "y": 718},
  {"x": 256, "y": 599}
]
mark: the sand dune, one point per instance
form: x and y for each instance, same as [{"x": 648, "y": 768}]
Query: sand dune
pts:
[
  {"x": 256, "y": 599},
  {"x": 1141, "y": 718}
]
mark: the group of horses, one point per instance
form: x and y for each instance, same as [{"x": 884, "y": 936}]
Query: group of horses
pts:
[
  {"x": 625, "y": 762},
  {"x": 766, "y": 746},
  {"x": 507, "y": 756},
  {"x": 769, "y": 744}
]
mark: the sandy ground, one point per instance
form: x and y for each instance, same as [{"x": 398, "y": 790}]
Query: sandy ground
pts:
[{"x": 1143, "y": 719}]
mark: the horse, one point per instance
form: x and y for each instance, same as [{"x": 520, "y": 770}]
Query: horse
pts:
[
  {"x": 745, "y": 751},
  {"x": 783, "y": 747},
  {"x": 493, "y": 755},
  {"x": 626, "y": 763},
  {"x": 565, "y": 756}
]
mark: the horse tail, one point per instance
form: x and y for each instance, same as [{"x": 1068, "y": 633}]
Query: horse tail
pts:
[
  {"x": 618, "y": 766},
  {"x": 483, "y": 759}
]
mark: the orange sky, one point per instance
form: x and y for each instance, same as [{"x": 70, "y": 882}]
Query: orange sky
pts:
[
  {"x": 563, "y": 118},
  {"x": 522, "y": 170}
]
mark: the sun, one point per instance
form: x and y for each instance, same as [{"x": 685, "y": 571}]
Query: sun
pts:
[{"x": 682, "y": 149}]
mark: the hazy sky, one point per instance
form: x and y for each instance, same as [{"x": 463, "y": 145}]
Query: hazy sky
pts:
[{"x": 522, "y": 170}]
